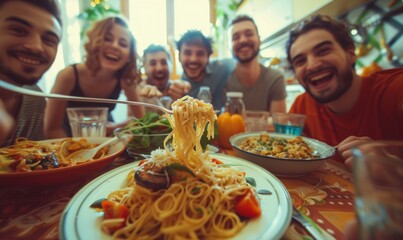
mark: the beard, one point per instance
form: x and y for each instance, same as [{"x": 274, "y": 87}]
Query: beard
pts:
[
  {"x": 249, "y": 58},
  {"x": 345, "y": 80},
  {"x": 195, "y": 76},
  {"x": 28, "y": 75}
]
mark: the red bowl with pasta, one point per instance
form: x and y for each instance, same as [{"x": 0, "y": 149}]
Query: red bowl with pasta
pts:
[{"x": 62, "y": 174}]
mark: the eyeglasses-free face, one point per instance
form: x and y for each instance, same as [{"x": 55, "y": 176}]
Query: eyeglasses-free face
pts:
[{"x": 338, "y": 29}]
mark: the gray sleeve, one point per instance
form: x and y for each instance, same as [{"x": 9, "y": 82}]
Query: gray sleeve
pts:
[{"x": 278, "y": 90}]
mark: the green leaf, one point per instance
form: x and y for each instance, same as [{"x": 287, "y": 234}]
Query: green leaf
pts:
[
  {"x": 172, "y": 168},
  {"x": 264, "y": 192},
  {"x": 251, "y": 181},
  {"x": 97, "y": 203},
  {"x": 204, "y": 141}
]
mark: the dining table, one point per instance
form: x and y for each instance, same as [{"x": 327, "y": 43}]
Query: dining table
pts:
[{"x": 325, "y": 197}]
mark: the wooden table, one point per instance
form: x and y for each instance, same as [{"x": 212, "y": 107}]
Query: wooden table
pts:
[{"x": 326, "y": 196}]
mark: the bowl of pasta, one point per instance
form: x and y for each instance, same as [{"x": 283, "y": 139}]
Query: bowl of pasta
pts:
[
  {"x": 45, "y": 163},
  {"x": 282, "y": 154}
]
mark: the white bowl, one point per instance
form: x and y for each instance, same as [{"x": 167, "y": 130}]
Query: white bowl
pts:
[{"x": 288, "y": 167}]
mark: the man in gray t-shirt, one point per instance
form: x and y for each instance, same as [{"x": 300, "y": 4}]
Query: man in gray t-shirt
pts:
[
  {"x": 194, "y": 53},
  {"x": 263, "y": 88}
]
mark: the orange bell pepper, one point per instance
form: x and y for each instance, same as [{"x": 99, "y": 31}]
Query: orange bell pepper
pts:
[{"x": 229, "y": 125}]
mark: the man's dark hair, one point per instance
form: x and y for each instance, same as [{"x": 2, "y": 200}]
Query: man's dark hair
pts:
[
  {"x": 51, "y": 6},
  {"x": 338, "y": 29},
  {"x": 242, "y": 18},
  {"x": 195, "y": 37},
  {"x": 153, "y": 48}
]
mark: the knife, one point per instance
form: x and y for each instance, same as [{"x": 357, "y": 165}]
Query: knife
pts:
[{"x": 316, "y": 234}]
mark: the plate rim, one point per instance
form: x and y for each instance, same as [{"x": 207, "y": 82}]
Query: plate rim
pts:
[{"x": 89, "y": 187}]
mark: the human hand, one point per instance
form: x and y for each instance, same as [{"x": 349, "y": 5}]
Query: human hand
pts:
[
  {"x": 351, "y": 230},
  {"x": 345, "y": 146},
  {"x": 149, "y": 91},
  {"x": 178, "y": 89},
  {"x": 6, "y": 123}
]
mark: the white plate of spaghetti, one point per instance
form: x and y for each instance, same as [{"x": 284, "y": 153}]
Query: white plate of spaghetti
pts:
[
  {"x": 181, "y": 192},
  {"x": 80, "y": 221}
]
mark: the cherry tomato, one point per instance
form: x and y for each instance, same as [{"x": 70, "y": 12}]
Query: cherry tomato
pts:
[
  {"x": 248, "y": 205},
  {"x": 113, "y": 210},
  {"x": 142, "y": 162},
  {"x": 216, "y": 161}
]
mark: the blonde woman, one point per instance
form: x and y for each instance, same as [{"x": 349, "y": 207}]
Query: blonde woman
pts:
[{"x": 109, "y": 68}]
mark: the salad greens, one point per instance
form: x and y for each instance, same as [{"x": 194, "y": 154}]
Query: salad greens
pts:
[{"x": 150, "y": 131}]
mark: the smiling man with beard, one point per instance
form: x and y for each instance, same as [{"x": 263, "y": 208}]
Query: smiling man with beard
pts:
[
  {"x": 341, "y": 107},
  {"x": 195, "y": 50},
  {"x": 263, "y": 88},
  {"x": 30, "y": 32}
]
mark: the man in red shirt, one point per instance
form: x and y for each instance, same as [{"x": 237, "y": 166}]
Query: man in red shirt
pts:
[{"x": 338, "y": 103}]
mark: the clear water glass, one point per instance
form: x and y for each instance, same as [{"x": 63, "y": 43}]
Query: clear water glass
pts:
[
  {"x": 378, "y": 179},
  {"x": 88, "y": 122},
  {"x": 256, "y": 120}
]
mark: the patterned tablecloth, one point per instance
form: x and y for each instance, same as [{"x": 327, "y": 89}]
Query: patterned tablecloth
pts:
[{"x": 326, "y": 196}]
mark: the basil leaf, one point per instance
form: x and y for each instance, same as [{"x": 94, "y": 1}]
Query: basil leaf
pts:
[
  {"x": 172, "y": 168},
  {"x": 251, "y": 181}
]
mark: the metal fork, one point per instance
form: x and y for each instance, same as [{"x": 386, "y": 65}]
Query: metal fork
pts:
[
  {"x": 307, "y": 225},
  {"x": 29, "y": 92}
]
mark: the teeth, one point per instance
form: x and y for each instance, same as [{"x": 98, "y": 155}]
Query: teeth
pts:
[
  {"x": 28, "y": 60},
  {"x": 113, "y": 56},
  {"x": 193, "y": 67},
  {"x": 320, "y": 76}
]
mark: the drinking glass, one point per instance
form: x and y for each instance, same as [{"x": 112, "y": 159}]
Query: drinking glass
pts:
[
  {"x": 378, "y": 179},
  {"x": 256, "y": 120},
  {"x": 88, "y": 121},
  {"x": 289, "y": 123}
]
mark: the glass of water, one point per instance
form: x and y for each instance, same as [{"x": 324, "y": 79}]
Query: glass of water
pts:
[
  {"x": 88, "y": 121},
  {"x": 256, "y": 120},
  {"x": 378, "y": 180},
  {"x": 289, "y": 123}
]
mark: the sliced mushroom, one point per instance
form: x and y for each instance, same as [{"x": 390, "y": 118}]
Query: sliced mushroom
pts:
[{"x": 150, "y": 176}]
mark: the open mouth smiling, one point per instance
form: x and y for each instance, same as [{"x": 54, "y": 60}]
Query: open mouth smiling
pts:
[
  {"x": 111, "y": 57},
  {"x": 28, "y": 60},
  {"x": 318, "y": 79}
]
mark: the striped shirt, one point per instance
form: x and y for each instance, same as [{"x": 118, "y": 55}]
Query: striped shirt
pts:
[{"x": 29, "y": 121}]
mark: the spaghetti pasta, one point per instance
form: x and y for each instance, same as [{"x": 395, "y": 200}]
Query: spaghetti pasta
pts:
[
  {"x": 197, "y": 201},
  {"x": 26, "y": 155}
]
